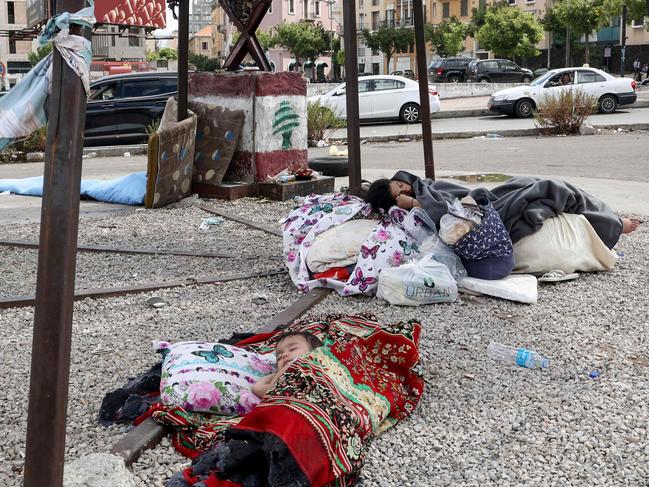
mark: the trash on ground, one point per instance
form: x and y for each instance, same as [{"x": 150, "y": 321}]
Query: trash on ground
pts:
[
  {"x": 594, "y": 374},
  {"x": 127, "y": 154},
  {"x": 321, "y": 143},
  {"x": 334, "y": 151},
  {"x": 209, "y": 223},
  {"x": 89, "y": 155},
  {"x": 494, "y": 136},
  {"x": 517, "y": 356},
  {"x": 156, "y": 302},
  {"x": 260, "y": 300},
  {"x": 558, "y": 276}
]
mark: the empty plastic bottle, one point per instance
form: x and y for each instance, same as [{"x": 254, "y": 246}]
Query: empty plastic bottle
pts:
[{"x": 518, "y": 356}]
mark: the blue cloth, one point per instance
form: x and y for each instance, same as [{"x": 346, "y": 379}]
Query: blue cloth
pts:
[{"x": 127, "y": 190}]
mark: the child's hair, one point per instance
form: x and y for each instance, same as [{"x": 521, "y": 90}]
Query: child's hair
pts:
[
  {"x": 312, "y": 340},
  {"x": 379, "y": 195}
]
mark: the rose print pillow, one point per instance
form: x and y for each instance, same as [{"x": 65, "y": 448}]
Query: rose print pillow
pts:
[{"x": 211, "y": 377}]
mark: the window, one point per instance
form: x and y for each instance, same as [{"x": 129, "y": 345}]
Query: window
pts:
[
  {"x": 112, "y": 38},
  {"x": 512, "y": 2},
  {"x": 434, "y": 9},
  {"x": 637, "y": 23},
  {"x": 446, "y": 10},
  {"x": 132, "y": 89},
  {"x": 133, "y": 40},
  {"x": 375, "y": 3},
  {"x": 387, "y": 84},
  {"x": 11, "y": 13},
  {"x": 204, "y": 46},
  {"x": 12, "y": 46},
  {"x": 361, "y": 21},
  {"x": 464, "y": 8},
  {"x": 270, "y": 8},
  {"x": 103, "y": 92},
  {"x": 489, "y": 66},
  {"x": 389, "y": 18},
  {"x": 316, "y": 5},
  {"x": 589, "y": 77},
  {"x": 363, "y": 86},
  {"x": 375, "y": 20},
  {"x": 375, "y": 68},
  {"x": 508, "y": 66},
  {"x": 291, "y": 6}
]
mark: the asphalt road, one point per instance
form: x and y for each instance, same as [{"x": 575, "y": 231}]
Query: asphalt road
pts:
[{"x": 491, "y": 124}]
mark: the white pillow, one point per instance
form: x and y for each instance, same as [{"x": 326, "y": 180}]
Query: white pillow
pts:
[
  {"x": 567, "y": 242},
  {"x": 211, "y": 377},
  {"x": 339, "y": 246},
  {"x": 521, "y": 288}
]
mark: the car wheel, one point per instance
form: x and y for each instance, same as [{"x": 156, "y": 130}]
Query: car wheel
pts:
[
  {"x": 607, "y": 104},
  {"x": 526, "y": 79},
  {"x": 524, "y": 108},
  {"x": 454, "y": 78},
  {"x": 330, "y": 165},
  {"x": 409, "y": 113},
  {"x": 484, "y": 80}
]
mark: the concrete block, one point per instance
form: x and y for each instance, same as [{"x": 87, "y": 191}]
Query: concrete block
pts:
[{"x": 98, "y": 470}]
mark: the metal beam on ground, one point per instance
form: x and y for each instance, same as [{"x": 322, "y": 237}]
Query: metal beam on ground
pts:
[
  {"x": 245, "y": 221},
  {"x": 50, "y": 367},
  {"x": 424, "y": 100},
  {"x": 351, "y": 94}
]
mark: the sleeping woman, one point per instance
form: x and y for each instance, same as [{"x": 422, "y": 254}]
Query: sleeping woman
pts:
[{"x": 523, "y": 203}]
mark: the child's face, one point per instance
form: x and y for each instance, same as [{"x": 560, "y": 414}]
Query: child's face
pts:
[{"x": 290, "y": 348}]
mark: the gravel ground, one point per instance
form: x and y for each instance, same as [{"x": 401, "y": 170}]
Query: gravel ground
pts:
[{"x": 480, "y": 422}]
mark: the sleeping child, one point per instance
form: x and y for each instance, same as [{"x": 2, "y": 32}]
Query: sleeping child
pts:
[{"x": 289, "y": 347}]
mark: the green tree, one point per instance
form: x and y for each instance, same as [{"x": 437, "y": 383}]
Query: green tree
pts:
[
  {"x": 204, "y": 63},
  {"x": 389, "y": 40},
  {"x": 41, "y": 52},
  {"x": 636, "y": 9},
  {"x": 266, "y": 39},
  {"x": 581, "y": 17},
  {"x": 509, "y": 32},
  {"x": 152, "y": 56},
  {"x": 447, "y": 38},
  {"x": 304, "y": 40},
  {"x": 167, "y": 53}
]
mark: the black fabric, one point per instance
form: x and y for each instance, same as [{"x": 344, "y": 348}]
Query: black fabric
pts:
[
  {"x": 523, "y": 203},
  {"x": 128, "y": 402},
  {"x": 236, "y": 338}
]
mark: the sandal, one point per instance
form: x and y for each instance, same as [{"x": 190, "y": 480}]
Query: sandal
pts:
[{"x": 557, "y": 276}]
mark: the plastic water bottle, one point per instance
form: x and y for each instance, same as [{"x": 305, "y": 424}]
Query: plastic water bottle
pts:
[{"x": 518, "y": 356}]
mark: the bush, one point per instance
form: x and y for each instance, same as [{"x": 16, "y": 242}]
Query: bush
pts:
[
  {"x": 321, "y": 121},
  {"x": 566, "y": 113},
  {"x": 18, "y": 150}
]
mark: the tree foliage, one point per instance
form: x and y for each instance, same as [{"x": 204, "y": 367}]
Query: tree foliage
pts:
[
  {"x": 389, "y": 40},
  {"x": 447, "y": 38},
  {"x": 509, "y": 32},
  {"x": 304, "y": 40},
  {"x": 41, "y": 52},
  {"x": 204, "y": 63}
]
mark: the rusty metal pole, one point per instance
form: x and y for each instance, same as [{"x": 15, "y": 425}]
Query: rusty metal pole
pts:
[
  {"x": 48, "y": 391},
  {"x": 183, "y": 57},
  {"x": 351, "y": 93},
  {"x": 424, "y": 100}
]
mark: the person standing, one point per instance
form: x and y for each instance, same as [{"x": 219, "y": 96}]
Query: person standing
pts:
[{"x": 637, "y": 65}]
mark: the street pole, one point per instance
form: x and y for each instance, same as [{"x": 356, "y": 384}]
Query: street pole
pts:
[
  {"x": 351, "y": 94},
  {"x": 623, "y": 42},
  {"x": 567, "y": 47},
  {"x": 183, "y": 57},
  {"x": 424, "y": 100},
  {"x": 50, "y": 368}
]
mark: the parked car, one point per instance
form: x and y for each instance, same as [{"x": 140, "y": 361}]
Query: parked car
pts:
[
  {"x": 406, "y": 73},
  {"x": 382, "y": 97},
  {"x": 121, "y": 107},
  {"x": 451, "y": 69},
  {"x": 498, "y": 71},
  {"x": 609, "y": 91}
]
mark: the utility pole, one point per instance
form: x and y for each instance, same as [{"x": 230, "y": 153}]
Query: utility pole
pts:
[
  {"x": 351, "y": 94},
  {"x": 623, "y": 42},
  {"x": 183, "y": 57},
  {"x": 567, "y": 47},
  {"x": 50, "y": 369}
]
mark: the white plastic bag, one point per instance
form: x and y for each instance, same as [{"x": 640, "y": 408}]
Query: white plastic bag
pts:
[{"x": 423, "y": 282}]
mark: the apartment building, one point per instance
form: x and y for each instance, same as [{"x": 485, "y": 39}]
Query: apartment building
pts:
[
  {"x": 13, "y": 53},
  {"x": 200, "y": 15},
  {"x": 201, "y": 42},
  {"x": 325, "y": 13},
  {"x": 128, "y": 45}
]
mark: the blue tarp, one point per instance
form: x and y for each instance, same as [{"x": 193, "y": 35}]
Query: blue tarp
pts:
[{"x": 127, "y": 190}]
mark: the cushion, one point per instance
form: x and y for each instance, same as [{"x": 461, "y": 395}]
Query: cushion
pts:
[
  {"x": 217, "y": 135},
  {"x": 170, "y": 159},
  {"x": 339, "y": 246},
  {"x": 211, "y": 377},
  {"x": 567, "y": 242},
  {"x": 521, "y": 288}
]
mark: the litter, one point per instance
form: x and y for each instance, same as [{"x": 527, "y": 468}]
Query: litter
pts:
[
  {"x": 321, "y": 143},
  {"x": 209, "y": 223},
  {"x": 156, "y": 302},
  {"x": 517, "y": 356},
  {"x": 127, "y": 154},
  {"x": 494, "y": 136},
  {"x": 89, "y": 155},
  {"x": 557, "y": 276},
  {"x": 333, "y": 151},
  {"x": 594, "y": 374}
]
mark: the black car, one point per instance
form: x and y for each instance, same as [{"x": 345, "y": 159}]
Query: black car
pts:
[
  {"x": 450, "y": 69},
  {"x": 498, "y": 71},
  {"x": 121, "y": 107}
]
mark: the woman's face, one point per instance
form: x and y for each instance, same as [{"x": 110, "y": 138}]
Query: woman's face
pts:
[{"x": 399, "y": 187}]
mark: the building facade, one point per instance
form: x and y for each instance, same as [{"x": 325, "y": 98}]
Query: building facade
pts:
[
  {"x": 13, "y": 53},
  {"x": 200, "y": 15},
  {"x": 129, "y": 45},
  {"x": 201, "y": 43}
]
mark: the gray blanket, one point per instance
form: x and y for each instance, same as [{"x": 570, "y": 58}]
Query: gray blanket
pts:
[{"x": 523, "y": 203}]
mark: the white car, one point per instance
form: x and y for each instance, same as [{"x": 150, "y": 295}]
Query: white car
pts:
[
  {"x": 381, "y": 97},
  {"x": 522, "y": 101}
]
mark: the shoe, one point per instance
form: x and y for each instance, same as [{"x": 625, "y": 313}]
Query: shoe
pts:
[{"x": 557, "y": 276}]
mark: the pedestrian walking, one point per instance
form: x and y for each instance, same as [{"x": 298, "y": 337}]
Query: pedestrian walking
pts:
[
  {"x": 645, "y": 70},
  {"x": 637, "y": 65}
]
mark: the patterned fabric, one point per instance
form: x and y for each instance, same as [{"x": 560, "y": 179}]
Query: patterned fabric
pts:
[
  {"x": 211, "y": 377},
  {"x": 24, "y": 109},
  {"x": 217, "y": 135},
  {"x": 171, "y": 159},
  {"x": 330, "y": 402},
  {"x": 487, "y": 239},
  {"x": 393, "y": 242}
]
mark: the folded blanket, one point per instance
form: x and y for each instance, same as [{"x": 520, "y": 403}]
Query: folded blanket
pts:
[
  {"x": 127, "y": 190},
  {"x": 314, "y": 426}
]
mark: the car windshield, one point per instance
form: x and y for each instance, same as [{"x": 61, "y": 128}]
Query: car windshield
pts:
[
  {"x": 436, "y": 64},
  {"x": 542, "y": 79}
]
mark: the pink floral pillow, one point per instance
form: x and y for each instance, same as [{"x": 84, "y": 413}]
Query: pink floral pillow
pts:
[{"x": 211, "y": 377}]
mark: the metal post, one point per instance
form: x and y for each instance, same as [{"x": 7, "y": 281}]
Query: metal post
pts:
[
  {"x": 48, "y": 391},
  {"x": 567, "y": 47},
  {"x": 351, "y": 94},
  {"x": 623, "y": 42},
  {"x": 424, "y": 100},
  {"x": 183, "y": 57}
]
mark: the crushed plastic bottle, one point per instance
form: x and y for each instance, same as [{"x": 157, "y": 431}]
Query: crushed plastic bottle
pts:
[
  {"x": 517, "y": 356},
  {"x": 208, "y": 224}
]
